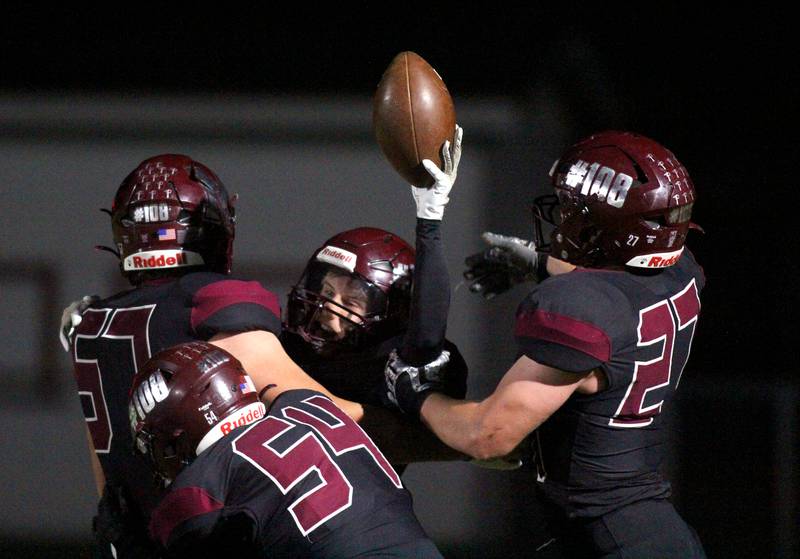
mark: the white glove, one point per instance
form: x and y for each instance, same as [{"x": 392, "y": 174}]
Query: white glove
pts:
[
  {"x": 522, "y": 249},
  {"x": 71, "y": 317},
  {"x": 431, "y": 201}
]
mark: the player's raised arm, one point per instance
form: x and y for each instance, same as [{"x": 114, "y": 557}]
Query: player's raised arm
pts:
[{"x": 430, "y": 302}]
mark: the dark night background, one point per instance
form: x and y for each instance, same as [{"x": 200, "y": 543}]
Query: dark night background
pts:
[{"x": 717, "y": 88}]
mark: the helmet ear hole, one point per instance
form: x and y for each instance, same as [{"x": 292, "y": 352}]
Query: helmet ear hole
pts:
[{"x": 184, "y": 217}]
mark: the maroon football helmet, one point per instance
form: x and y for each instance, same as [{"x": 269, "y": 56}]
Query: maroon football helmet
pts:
[
  {"x": 620, "y": 200},
  {"x": 172, "y": 212},
  {"x": 377, "y": 267},
  {"x": 185, "y": 398}
]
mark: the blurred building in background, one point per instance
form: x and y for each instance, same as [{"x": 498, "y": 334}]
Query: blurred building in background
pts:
[
  {"x": 283, "y": 114},
  {"x": 304, "y": 169}
]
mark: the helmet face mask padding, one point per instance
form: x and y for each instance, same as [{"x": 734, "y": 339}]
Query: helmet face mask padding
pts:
[
  {"x": 623, "y": 201},
  {"x": 172, "y": 212},
  {"x": 363, "y": 278}
]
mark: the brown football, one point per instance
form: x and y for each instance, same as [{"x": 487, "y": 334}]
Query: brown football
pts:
[{"x": 412, "y": 115}]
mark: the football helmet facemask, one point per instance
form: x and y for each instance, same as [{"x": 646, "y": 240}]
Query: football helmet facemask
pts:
[{"x": 354, "y": 292}]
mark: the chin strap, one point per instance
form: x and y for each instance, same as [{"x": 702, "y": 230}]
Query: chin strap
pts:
[{"x": 107, "y": 249}]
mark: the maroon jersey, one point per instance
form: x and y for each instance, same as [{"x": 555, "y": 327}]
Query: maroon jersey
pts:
[
  {"x": 121, "y": 332},
  {"x": 602, "y": 451},
  {"x": 305, "y": 481}
]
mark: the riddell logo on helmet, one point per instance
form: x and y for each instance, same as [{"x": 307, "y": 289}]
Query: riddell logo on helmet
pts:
[
  {"x": 662, "y": 260},
  {"x": 156, "y": 259},
  {"x": 244, "y": 418},
  {"x": 658, "y": 262},
  {"x": 160, "y": 262},
  {"x": 338, "y": 257}
]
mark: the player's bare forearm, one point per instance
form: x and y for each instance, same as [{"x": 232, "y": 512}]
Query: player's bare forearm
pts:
[
  {"x": 525, "y": 397},
  {"x": 458, "y": 423}
]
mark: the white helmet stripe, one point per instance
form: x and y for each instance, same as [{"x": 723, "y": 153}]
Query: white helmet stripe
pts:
[{"x": 159, "y": 259}]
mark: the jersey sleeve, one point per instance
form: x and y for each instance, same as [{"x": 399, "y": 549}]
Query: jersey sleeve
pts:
[
  {"x": 569, "y": 325},
  {"x": 430, "y": 298},
  {"x": 186, "y": 513},
  {"x": 195, "y": 514},
  {"x": 456, "y": 374},
  {"x": 232, "y": 305}
]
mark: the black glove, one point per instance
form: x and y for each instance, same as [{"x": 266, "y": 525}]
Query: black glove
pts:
[
  {"x": 408, "y": 386},
  {"x": 507, "y": 262},
  {"x": 119, "y": 531}
]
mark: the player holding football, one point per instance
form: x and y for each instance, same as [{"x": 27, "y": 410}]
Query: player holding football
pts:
[
  {"x": 352, "y": 306},
  {"x": 173, "y": 224},
  {"x": 299, "y": 480},
  {"x": 603, "y": 342},
  {"x": 365, "y": 292}
]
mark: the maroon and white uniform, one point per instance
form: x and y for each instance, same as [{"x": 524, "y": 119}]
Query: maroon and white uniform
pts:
[
  {"x": 305, "y": 481},
  {"x": 598, "y": 456},
  {"x": 602, "y": 451},
  {"x": 118, "y": 334}
]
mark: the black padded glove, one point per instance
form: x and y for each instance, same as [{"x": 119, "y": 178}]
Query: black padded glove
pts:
[
  {"x": 507, "y": 262},
  {"x": 408, "y": 386}
]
